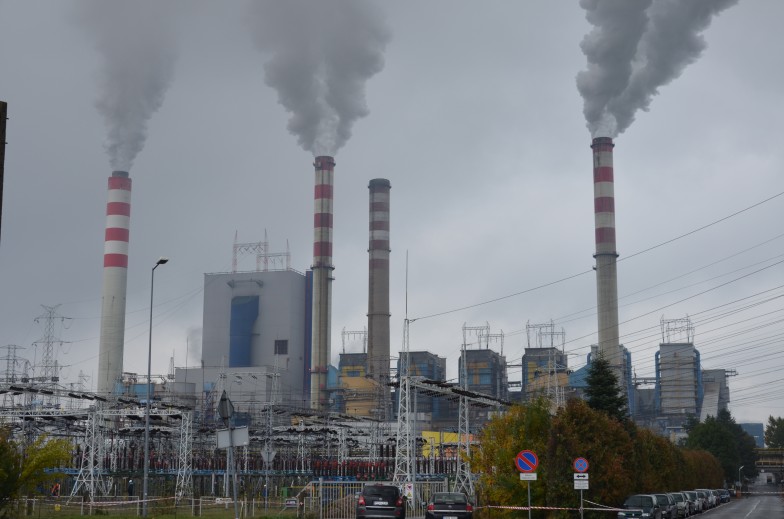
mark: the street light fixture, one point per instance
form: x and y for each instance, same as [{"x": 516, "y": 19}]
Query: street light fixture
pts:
[{"x": 161, "y": 261}]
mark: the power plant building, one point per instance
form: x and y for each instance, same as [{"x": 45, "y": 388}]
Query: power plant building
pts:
[
  {"x": 255, "y": 327},
  {"x": 678, "y": 382},
  {"x": 486, "y": 373},
  {"x": 542, "y": 368},
  {"x": 356, "y": 393},
  {"x": 432, "y": 410},
  {"x": 716, "y": 395}
]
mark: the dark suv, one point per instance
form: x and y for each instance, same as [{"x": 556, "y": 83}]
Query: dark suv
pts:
[
  {"x": 381, "y": 501},
  {"x": 452, "y": 505},
  {"x": 641, "y": 505}
]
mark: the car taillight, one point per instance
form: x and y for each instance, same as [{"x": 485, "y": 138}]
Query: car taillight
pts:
[
  {"x": 361, "y": 501},
  {"x": 469, "y": 508},
  {"x": 431, "y": 507},
  {"x": 399, "y": 501}
]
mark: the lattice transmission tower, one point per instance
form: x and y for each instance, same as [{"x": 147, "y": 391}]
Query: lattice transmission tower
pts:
[{"x": 49, "y": 376}]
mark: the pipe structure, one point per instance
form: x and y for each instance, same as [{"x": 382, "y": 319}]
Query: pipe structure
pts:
[
  {"x": 322, "y": 281},
  {"x": 115, "y": 279},
  {"x": 606, "y": 254},
  {"x": 378, "y": 283}
]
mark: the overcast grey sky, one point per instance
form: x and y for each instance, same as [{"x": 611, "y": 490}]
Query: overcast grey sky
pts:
[{"x": 473, "y": 115}]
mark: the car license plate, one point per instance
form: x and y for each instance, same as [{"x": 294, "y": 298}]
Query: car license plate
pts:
[
  {"x": 450, "y": 517},
  {"x": 380, "y": 503}
]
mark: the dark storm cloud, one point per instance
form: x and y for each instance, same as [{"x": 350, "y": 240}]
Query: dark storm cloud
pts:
[
  {"x": 322, "y": 56},
  {"x": 136, "y": 41},
  {"x": 635, "y": 48}
]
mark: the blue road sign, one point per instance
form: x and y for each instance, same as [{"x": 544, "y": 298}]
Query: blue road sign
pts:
[
  {"x": 580, "y": 465},
  {"x": 526, "y": 461}
]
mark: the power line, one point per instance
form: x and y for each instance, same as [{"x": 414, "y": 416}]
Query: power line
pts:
[{"x": 566, "y": 278}]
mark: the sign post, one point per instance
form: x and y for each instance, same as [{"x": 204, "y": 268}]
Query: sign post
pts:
[
  {"x": 526, "y": 462},
  {"x": 580, "y": 478}
]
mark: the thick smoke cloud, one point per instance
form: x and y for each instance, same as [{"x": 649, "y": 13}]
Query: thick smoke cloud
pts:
[
  {"x": 610, "y": 48},
  {"x": 136, "y": 41},
  {"x": 626, "y": 68},
  {"x": 323, "y": 53}
]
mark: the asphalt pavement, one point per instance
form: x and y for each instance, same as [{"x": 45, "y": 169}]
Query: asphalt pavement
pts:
[{"x": 763, "y": 503}]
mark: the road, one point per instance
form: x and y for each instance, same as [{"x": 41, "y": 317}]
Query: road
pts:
[{"x": 760, "y": 506}]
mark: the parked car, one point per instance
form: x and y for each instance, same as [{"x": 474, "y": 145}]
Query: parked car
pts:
[
  {"x": 694, "y": 501},
  {"x": 667, "y": 504},
  {"x": 710, "y": 496},
  {"x": 451, "y": 505},
  {"x": 724, "y": 495},
  {"x": 641, "y": 505},
  {"x": 682, "y": 504},
  {"x": 377, "y": 501},
  {"x": 703, "y": 495}
]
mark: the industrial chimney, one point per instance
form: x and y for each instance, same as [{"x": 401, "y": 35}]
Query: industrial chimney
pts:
[
  {"x": 115, "y": 275},
  {"x": 322, "y": 282},
  {"x": 378, "y": 285},
  {"x": 606, "y": 254}
]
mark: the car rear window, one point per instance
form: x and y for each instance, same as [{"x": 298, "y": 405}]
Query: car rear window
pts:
[
  {"x": 639, "y": 502},
  {"x": 386, "y": 493}
]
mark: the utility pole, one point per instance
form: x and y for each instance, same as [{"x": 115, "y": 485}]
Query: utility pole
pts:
[{"x": 3, "y": 117}]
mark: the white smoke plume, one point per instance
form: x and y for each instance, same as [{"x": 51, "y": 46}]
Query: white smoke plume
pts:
[
  {"x": 322, "y": 54},
  {"x": 610, "y": 48},
  {"x": 621, "y": 81},
  {"x": 136, "y": 41}
]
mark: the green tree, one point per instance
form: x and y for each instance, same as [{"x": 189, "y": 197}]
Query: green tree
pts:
[
  {"x": 623, "y": 459},
  {"x": 713, "y": 437},
  {"x": 42, "y": 453},
  {"x": 9, "y": 471},
  {"x": 774, "y": 433},
  {"x": 726, "y": 440},
  {"x": 603, "y": 392},
  {"x": 747, "y": 447},
  {"x": 580, "y": 431},
  {"x": 520, "y": 428},
  {"x": 22, "y": 468}
]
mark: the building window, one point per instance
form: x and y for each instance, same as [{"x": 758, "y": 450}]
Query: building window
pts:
[{"x": 282, "y": 347}]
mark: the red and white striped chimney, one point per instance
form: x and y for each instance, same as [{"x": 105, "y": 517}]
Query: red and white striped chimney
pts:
[
  {"x": 606, "y": 253},
  {"x": 378, "y": 284},
  {"x": 322, "y": 282},
  {"x": 115, "y": 276}
]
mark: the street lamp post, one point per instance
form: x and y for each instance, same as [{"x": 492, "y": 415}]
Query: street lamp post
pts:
[
  {"x": 740, "y": 481},
  {"x": 161, "y": 261}
]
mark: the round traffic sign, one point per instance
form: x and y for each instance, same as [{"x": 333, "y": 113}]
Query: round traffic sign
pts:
[
  {"x": 526, "y": 461},
  {"x": 580, "y": 465}
]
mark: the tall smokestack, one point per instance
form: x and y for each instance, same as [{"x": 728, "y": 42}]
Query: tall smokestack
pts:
[
  {"x": 378, "y": 285},
  {"x": 115, "y": 275},
  {"x": 606, "y": 254},
  {"x": 322, "y": 282}
]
